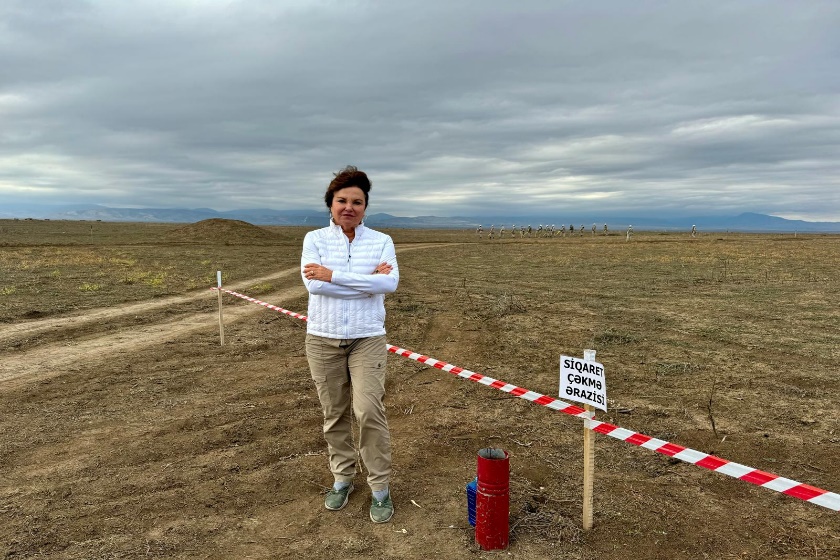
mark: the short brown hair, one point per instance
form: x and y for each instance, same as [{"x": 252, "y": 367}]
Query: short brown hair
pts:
[{"x": 350, "y": 176}]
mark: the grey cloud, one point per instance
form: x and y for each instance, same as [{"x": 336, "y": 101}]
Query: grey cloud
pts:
[{"x": 452, "y": 108}]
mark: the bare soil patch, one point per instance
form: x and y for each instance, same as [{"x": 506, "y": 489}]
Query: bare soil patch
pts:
[{"x": 128, "y": 432}]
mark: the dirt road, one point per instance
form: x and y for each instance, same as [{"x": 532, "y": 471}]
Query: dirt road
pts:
[
  {"x": 99, "y": 342},
  {"x": 90, "y": 336}
]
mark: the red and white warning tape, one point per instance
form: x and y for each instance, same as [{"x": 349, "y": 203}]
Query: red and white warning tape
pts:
[{"x": 805, "y": 492}]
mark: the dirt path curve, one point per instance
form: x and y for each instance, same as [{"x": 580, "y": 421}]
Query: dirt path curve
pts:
[
  {"x": 10, "y": 332},
  {"x": 47, "y": 360}
]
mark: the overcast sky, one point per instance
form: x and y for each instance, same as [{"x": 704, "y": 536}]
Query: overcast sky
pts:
[{"x": 453, "y": 108}]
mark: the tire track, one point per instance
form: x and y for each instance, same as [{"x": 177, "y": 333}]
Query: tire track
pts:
[
  {"x": 31, "y": 328},
  {"x": 48, "y": 360}
]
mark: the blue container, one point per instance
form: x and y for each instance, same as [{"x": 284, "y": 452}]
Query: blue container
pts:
[{"x": 471, "y": 490}]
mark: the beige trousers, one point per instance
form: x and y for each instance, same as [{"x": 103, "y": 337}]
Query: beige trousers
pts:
[{"x": 348, "y": 371}]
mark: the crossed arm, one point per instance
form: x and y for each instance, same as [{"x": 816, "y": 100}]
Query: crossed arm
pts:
[{"x": 383, "y": 279}]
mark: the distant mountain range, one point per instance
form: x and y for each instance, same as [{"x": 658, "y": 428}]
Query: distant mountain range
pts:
[{"x": 747, "y": 221}]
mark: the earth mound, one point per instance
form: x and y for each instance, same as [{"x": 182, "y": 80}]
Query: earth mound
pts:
[{"x": 221, "y": 230}]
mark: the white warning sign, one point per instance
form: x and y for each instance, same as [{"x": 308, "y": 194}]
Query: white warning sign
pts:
[{"x": 583, "y": 381}]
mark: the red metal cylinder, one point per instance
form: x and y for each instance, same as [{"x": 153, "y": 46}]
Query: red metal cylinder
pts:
[{"x": 492, "y": 499}]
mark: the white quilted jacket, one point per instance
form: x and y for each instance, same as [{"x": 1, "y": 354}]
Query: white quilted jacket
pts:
[{"x": 353, "y": 304}]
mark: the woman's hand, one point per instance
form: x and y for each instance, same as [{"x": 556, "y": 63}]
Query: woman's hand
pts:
[
  {"x": 314, "y": 271},
  {"x": 383, "y": 268}
]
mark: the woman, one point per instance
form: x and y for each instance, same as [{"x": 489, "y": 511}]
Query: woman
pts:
[{"x": 348, "y": 269}]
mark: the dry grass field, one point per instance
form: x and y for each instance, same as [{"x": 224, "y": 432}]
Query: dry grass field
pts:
[{"x": 127, "y": 431}]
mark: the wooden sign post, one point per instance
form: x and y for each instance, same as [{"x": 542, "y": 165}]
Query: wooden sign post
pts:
[
  {"x": 588, "y": 469},
  {"x": 588, "y": 457},
  {"x": 584, "y": 381},
  {"x": 221, "y": 318}
]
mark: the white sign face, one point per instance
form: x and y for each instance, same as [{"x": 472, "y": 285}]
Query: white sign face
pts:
[{"x": 583, "y": 381}]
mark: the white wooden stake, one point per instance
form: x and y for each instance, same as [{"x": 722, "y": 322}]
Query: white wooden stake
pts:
[
  {"x": 588, "y": 469},
  {"x": 588, "y": 457},
  {"x": 221, "y": 319}
]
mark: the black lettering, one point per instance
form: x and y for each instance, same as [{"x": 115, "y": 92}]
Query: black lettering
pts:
[
  {"x": 585, "y": 381},
  {"x": 593, "y": 369}
]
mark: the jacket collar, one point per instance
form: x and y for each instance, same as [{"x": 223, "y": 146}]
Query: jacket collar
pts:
[{"x": 336, "y": 229}]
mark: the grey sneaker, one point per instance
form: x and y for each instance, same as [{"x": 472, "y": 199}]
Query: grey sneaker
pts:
[
  {"x": 337, "y": 499},
  {"x": 381, "y": 511}
]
